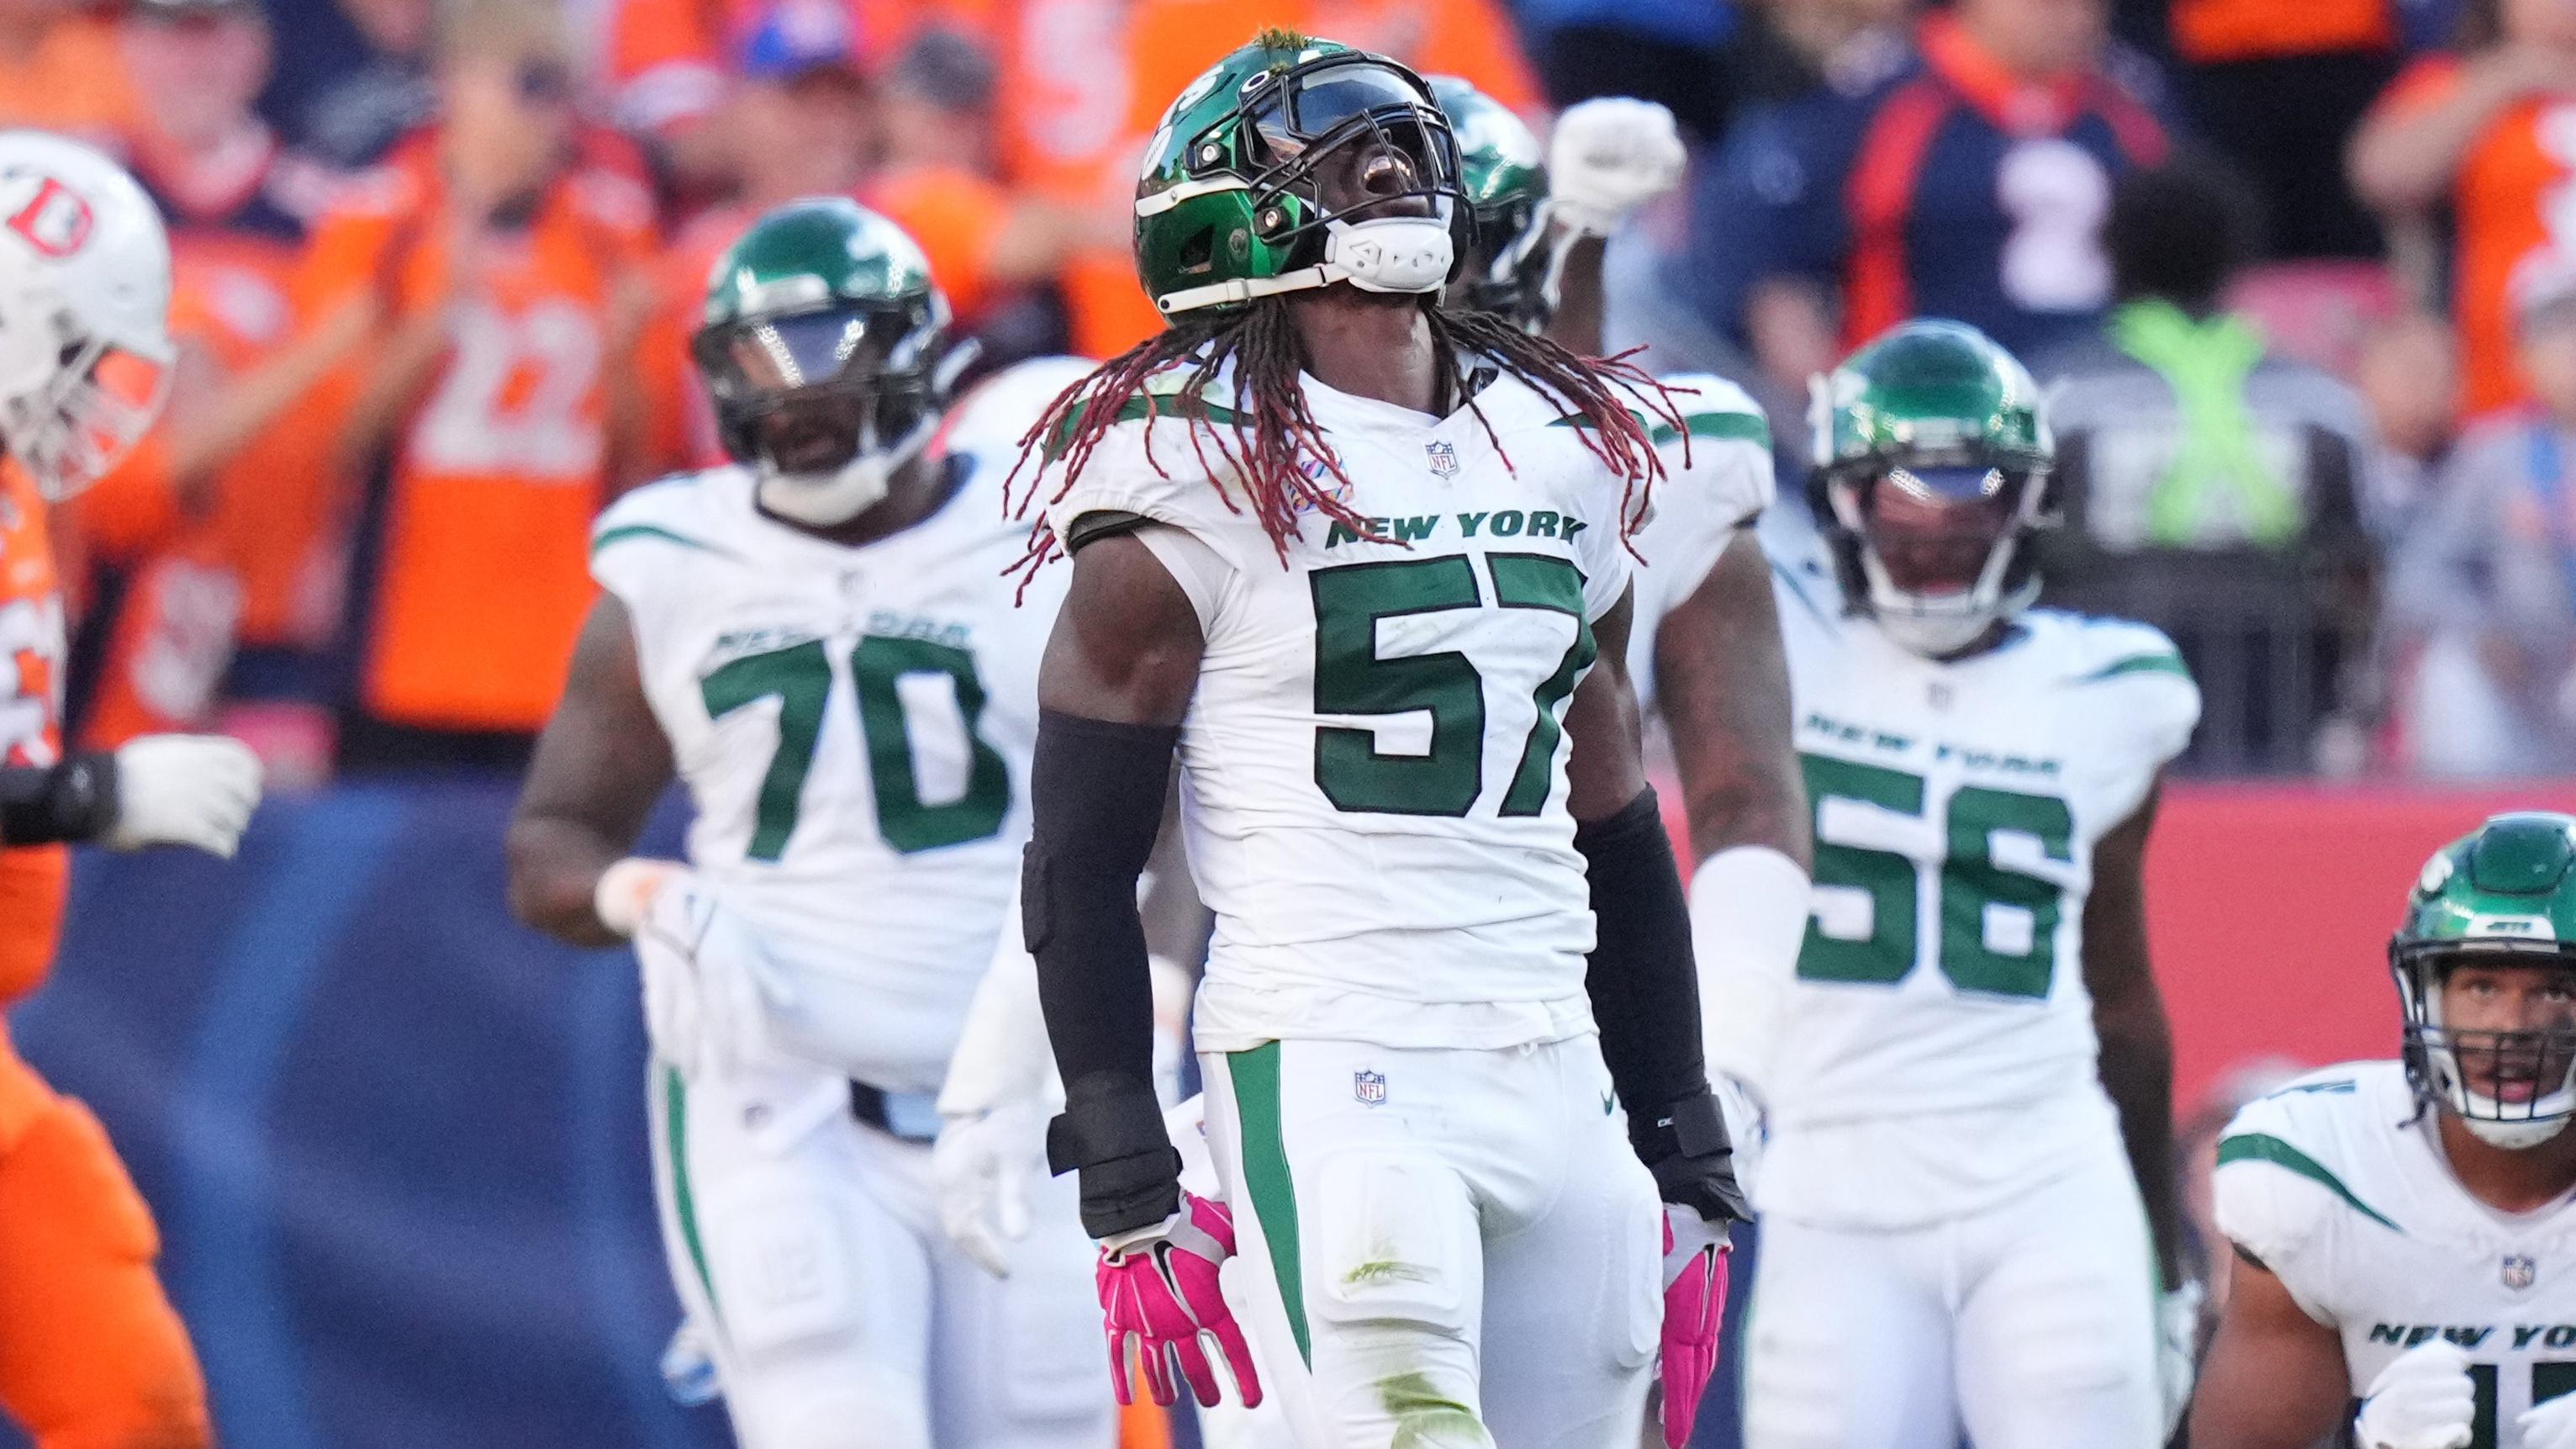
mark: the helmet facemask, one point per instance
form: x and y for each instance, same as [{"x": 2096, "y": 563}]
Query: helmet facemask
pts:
[
  {"x": 1508, "y": 272},
  {"x": 74, "y": 422},
  {"x": 1935, "y": 539},
  {"x": 827, "y": 406},
  {"x": 1353, "y": 174},
  {"x": 2511, "y": 1089}
]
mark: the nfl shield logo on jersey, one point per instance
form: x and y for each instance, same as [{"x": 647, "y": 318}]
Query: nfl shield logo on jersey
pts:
[
  {"x": 2519, "y": 1271},
  {"x": 1444, "y": 459},
  {"x": 1369, "y": 1087}
]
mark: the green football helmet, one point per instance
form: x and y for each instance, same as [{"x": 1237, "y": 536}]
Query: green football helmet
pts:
[
  {"x": 1505, "y": 173},
  {"x": 824, "y": 345},
  {"x": 1933, "y": 457},
  {"x": 2505, "y": 895},
  {"x": 1231, "y": 205}
]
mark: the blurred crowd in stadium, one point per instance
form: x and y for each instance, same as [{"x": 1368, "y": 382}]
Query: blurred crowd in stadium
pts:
[{"x": 2305, "y": 271}]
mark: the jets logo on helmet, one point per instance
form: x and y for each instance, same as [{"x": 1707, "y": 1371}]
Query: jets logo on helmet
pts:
[
  {"x": 55, "y": 220},
  {"x": 2504, "y": 896},
  {"x": 1932, "y": 461},
  {"x": 85, "y": 349}
]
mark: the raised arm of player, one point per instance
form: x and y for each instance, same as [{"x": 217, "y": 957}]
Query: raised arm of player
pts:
[
  {"x": 2275, "y": 1377},
  {"x": 599, "y": 767},
  {"x": 1645, "y": 996},
  {"x": 1722, "y": 682}
]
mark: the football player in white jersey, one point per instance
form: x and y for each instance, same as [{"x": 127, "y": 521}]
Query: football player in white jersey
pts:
[
  {"x": 1704, "y": 646},
  {"x": 2406, "y": 1231},
  {"x": 822, "y": 642},
  {"x": 1360, "y": 560},
  {"x": 1967, "y": 1078}
]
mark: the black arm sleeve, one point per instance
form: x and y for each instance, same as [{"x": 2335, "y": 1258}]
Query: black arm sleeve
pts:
[
  {"x": 73, "y": 800},
  {"x": 1096, "y": 791},
  {"x": 1644, "y": 986}
]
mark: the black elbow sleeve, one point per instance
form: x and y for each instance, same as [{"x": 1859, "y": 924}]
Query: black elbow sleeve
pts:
[{"x": 1096, "y": 792}]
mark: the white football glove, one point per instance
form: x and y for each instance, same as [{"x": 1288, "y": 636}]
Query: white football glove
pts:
[
  {"x": 709, "y": 983},
  {"x": 192, "y": 790},
  {"x": 1607, "y": 157},
  {"x": 2549, "y": 1425},
  {"x": 2422, "y": 1400},
  {"x": 2177, "y": 1345},
  {"x": 980, "y": 1170}
]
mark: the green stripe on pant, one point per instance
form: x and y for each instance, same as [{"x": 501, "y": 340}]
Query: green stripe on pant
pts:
[
  {"x": 1255, "y": 1075},
  {"x": 684, "y": 1206}
]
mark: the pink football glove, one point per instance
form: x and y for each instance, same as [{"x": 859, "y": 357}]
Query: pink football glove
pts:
[
  {"x": 1159, "y": 1292},
  {"x": 1694, "y": 1305}
]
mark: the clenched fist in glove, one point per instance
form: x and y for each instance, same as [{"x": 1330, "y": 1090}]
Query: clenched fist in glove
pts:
[
  {"x": 192, "y": 790},
  {"x": 2550, "y": 1424},
  {"x": 2422, "y": 1400},
  {"x": 1606, "y": 158}
]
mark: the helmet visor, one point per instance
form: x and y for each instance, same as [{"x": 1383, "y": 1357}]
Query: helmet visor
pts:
[
  {"x": 767, "y": 356},
  {"x": 1935, "y": 529},
  {"x": 1310, "y": 102}
]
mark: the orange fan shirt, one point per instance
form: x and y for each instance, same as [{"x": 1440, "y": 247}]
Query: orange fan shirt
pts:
[
  {"x": 33, "y": 878},
  {"x": 74, "y": 81},
  {"x": 2502, "y": 201},
  {"x": 481, "y": 584},
  {"x": 668, "y": 60},
  {"x": 2209, "y": 31}
]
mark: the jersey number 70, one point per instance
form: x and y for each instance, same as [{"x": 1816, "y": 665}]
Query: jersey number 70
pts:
[{"x": 799, "y": 677}]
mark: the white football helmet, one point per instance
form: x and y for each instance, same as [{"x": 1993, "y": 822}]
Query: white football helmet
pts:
[{"x": 85, "y": 353}]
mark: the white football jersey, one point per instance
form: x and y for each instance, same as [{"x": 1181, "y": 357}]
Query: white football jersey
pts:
[
  {"x": 1373, "y": 766},
  {"x": 1717, "y": 480},
  {"x": 2339, "y": 1187},
  {"x": 1939, "y": 1032},
  {"x": 854, "y": 725}
]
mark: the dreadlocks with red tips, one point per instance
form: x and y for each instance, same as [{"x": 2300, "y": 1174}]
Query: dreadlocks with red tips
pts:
[{"x": 1268, "y": 438}]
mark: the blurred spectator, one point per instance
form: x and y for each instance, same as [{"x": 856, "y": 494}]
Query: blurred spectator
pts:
[
  {"x": 2212, "y": 487},
  {"x": 2278, "y": 89},
  {"x": 2491, "y": 135},
  {"x": 2484, "y": 595},
  {"x": 59, "y": 71},
  {"x": 671, "y": 63},
  {"x": 352, "y": 78},
  {"x": 1168, "y": 43},
  {"x": 502, "y": 254},
  {"x": 1705, "y": 60},
  {"x": 1967, "y": 179},
  {"x": 220, "y": 529},
  {"x": 2408, "y": 372}
]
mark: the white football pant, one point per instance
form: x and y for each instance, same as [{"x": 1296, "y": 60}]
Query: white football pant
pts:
[
  {"x": 2030, "y": 1325},
  {"x": 807, "y": 1247},
  {"x": 1443, "y": 1249}
]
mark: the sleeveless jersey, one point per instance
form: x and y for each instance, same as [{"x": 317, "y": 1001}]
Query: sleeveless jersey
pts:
[
  {"x": 2336, "y": 1185},
  {"x": 1940, "y": 992},
  {"x": 1717, "y": 479},
  {"x": 1373, "y": 766},
  {"x": 854, "y": 725}
]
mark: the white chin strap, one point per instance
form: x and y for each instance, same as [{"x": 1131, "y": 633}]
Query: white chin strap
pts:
[
  {"x": 828, "y": 500},
  {"x": 2513, "y": 1136}
]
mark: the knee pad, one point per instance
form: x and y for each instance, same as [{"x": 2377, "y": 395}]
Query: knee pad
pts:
[
  {"x": 784, "y": 1269},
  {"x": 1394, "y": 1242},
  {"x": 831, "y": 1407}
]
